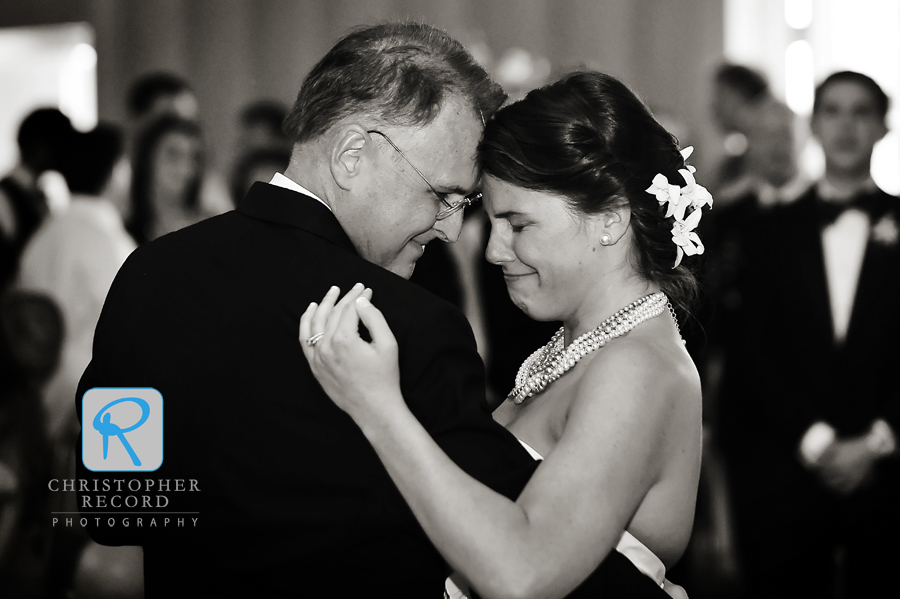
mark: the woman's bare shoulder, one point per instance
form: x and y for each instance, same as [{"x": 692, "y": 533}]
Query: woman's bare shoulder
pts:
[{"x": 643, "y": 368}]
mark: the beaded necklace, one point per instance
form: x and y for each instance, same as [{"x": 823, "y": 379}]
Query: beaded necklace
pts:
[{"x": 553, "y": 360}]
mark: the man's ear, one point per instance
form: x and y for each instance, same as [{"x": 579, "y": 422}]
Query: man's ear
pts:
[
  {"x": 884, "y": 130},
  {"x": 348, "y": 154}
]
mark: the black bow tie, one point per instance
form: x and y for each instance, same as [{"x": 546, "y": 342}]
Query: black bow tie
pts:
[{"x": 829, "y": 212}]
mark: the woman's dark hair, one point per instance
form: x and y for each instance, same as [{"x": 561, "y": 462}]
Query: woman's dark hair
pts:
[
  {"x": 143, "y": 214},
  {"x": 590, "y": 140}
]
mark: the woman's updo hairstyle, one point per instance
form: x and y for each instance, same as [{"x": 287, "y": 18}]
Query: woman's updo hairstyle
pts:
[{"x": 590, "y": 140}]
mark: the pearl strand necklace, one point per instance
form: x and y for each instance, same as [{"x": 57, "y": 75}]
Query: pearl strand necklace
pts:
[{"x": 553, "y": 360}]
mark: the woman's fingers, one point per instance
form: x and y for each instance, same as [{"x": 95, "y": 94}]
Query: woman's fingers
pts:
[
  {"x": 375, "y": 322},
  {"x": 323, "y": 310},
  {"x": 334, "y": 318},
  {"x": 325, "y": 319},
  {"x": 348, "y": 321}
]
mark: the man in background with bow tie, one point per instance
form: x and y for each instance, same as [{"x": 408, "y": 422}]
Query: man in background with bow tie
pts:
[{"x": 810, "y": 420}]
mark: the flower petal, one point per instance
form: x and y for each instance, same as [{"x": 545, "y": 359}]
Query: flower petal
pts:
[
  {"x": 699, "y": 244},
  {"x": 693, "y": 220},
  {"x": 680, "y": 208},
  {"x": 700, "y": 196}
]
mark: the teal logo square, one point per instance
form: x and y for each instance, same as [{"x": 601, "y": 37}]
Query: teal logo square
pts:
[{"x": 122, "y": 429}]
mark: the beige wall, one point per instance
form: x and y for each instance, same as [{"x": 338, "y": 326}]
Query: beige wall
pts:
[{"x": 234, "y": 51}]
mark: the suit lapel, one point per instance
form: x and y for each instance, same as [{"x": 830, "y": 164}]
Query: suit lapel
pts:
[
  {"x": 808, "y": 266},
  {"x": 880, "y": 258}
]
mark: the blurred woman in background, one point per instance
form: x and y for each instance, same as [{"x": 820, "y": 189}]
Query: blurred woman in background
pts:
[{"x": 168, "y": 165}]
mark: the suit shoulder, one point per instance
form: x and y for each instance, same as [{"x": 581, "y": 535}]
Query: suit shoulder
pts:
[{"x": 411, "y": 302}]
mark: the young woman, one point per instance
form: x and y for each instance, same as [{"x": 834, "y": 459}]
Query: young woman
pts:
[
  {"x": 167, "y": 172},
  {"x": 592, "y": 210}
]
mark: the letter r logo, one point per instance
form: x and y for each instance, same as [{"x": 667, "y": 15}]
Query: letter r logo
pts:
[{"x": 122, "y": 429}]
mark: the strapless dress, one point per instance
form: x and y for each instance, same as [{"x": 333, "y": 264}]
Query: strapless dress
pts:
[{"x": 637, "y": 553}]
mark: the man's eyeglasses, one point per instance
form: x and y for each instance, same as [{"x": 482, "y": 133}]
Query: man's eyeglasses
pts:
[{"x": 452, "y": 206}]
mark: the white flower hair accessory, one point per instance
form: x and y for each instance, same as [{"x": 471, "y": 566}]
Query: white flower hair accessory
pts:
[{"x": 678, "y": 200}]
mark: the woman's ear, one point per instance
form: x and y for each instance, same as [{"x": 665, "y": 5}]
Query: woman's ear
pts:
[
  {"x": 348, "y": 155},
  {"x": 611, "y": 224}
]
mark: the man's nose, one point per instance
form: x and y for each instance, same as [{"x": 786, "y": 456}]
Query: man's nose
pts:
[
  {"x": 497, "y": 251},
  {"x": 448, "y": 228}
]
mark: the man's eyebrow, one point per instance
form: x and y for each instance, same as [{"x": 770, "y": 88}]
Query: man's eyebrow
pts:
[{"x": 452, "y": 189}]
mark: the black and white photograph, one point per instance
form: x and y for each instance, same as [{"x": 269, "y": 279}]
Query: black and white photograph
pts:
[{"x": 450, "y": 299}]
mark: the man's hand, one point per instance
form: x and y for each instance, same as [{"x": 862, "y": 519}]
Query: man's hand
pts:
[{"x": 846, "y": 465}]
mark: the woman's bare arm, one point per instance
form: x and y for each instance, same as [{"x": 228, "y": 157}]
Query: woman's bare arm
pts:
[{"x": 576, "y": 506}]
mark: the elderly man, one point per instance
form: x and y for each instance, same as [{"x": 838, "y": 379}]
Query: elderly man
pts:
[{"x": 280, "y": 492}]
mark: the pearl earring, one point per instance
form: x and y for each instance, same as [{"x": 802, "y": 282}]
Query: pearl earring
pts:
[{"x": 605, "y": 239}]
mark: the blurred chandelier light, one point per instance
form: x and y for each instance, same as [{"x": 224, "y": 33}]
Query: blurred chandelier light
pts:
[
  {"x": 798, "y": 14},
  {"x": 799, "y": 77}
]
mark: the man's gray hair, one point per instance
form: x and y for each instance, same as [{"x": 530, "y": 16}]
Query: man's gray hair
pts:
[{"x": 397, "y": 74}]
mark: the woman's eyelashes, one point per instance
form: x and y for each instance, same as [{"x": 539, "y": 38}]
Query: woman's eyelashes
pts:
[{"x": 517, "y": 226}]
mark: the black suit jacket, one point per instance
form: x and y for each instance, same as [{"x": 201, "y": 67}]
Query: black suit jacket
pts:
[
  {"x": 788, "y": 372},
  {"x": 291, "y": 494}
]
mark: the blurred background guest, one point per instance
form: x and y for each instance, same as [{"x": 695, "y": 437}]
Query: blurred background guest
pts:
[
  {"x": 72, "y": 260},
  {"x": 42, "y": 140},
  {"x": 167, "y": 172},
  {"x": 30, "y": 341},
  {"x": 811, "y": 407},
  {"x": 257, "y": 165},
  {"x": 260, "y": 127},
  {"x": 152, "y": 97},
  {"x": 262, "y": 148},
  {"x": 159, "y": 93},
  {"x": 737, "y": 89},
  {"x": 770, "y": 177}
]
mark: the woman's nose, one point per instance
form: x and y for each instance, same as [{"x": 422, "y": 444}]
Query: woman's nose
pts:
[{"x": 498, "y": 250}]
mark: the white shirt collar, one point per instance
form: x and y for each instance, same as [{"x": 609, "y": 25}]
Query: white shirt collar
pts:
[{"x": 280, "y": 180}]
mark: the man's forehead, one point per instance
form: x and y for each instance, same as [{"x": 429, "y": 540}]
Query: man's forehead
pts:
[
  {"x": 846, "y": 92},
  {"x": 453, "y": 145}
]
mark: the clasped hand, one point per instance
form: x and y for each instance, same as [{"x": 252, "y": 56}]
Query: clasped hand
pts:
[
  {"x": 362, "y": 378},
  {"x": 846, "y": 465}
]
